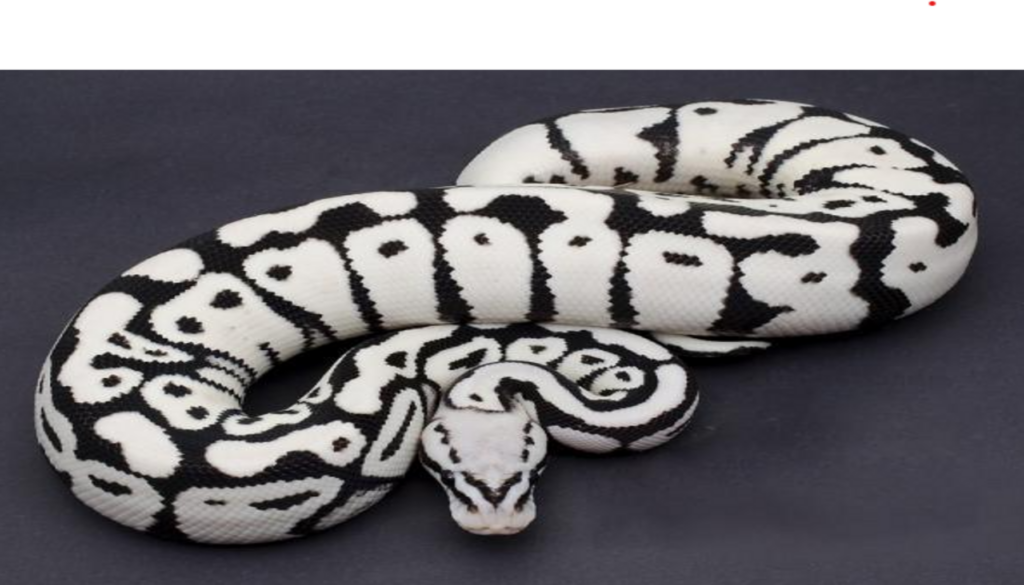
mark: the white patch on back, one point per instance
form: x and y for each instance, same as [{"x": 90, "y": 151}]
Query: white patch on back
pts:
[
  {"x": 583, "y": 441},
  {"x": 147, "y": 448},
  {"x": 260, "y": 513},
  {"x": 395, "y": 261},
  {"x": 313, "y": 276},
  {"x": 491, "y": 263},
  {"x": 678, "y": 282},
  {"x": 580, "y": 257},
  {"x": 336, "y": 443}
]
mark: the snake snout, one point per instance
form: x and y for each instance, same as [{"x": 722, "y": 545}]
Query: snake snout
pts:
[{"x": 495, "y": 521}]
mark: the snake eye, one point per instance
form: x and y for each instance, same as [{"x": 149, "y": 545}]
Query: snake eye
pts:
[{"x": 447, "y": 475}]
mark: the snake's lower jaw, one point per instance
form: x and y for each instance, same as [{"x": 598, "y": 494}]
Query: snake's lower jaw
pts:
[{"x": 495, "y": 521}]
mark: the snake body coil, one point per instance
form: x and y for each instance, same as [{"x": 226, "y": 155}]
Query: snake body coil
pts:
[{"x": 736, "y": 219}]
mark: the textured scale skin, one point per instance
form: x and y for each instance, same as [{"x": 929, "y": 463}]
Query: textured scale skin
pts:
[{"x": 739, "y": 219}]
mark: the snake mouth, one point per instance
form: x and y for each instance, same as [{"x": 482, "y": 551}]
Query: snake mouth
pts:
[
  {"x": 494, "y": 531},
  {"x": 494, "y": 522}
]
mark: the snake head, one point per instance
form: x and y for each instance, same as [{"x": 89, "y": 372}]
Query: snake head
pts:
[{"x": 488, "y": 455}]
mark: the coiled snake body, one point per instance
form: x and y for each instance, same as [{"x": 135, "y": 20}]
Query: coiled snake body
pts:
[{"x": 505, "y": 301}]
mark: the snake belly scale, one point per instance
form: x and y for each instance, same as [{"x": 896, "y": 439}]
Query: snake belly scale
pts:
[{"x": 546, "y": 297}]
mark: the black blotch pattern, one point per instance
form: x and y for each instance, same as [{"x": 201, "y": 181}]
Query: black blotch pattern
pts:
[
  {"x": 111, "y": 487},
  {"x": 919, "y": 267},
  {"x": 706, "y": 111},
  {"x": 176, "y": 390},
  {"x": 703, "y": 185},
  {"x": 189, "y": 325},
  {"x": 682, "y": 259},
  {"x": 813, "y": 277},
  {"x": 838, "y": 204},
  {"x": 877, "y": 150},
  {"x": 397, "y": 359},
  {"x": 625, "y": 177},
  {"x": 226, "y": 299},
  {"x": 198, "y": 412},
  {"x": 579, "y": 241},
  {"x": 279, "y": 272},
  {"x": 285, "y": 502},
  {"x": 392, "y": 248},
  {"x": 119, "y": 340},
  {"x": 482, "y": 239},
  {"x": 469, "y": 360},
  {"x": 111, "y": 381}
]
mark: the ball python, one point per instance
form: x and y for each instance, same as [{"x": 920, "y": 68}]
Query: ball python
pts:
[{"x": 548, "y": 295}]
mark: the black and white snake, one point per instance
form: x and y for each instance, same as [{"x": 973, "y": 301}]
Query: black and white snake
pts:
[{"x": 505, "y": 300}]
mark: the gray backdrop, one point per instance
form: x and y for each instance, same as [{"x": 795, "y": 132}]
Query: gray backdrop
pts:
[{"x": 891, "y": 457}]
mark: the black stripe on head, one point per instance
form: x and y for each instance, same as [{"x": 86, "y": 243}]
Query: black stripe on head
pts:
[{"x": 447, "y": 479}]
